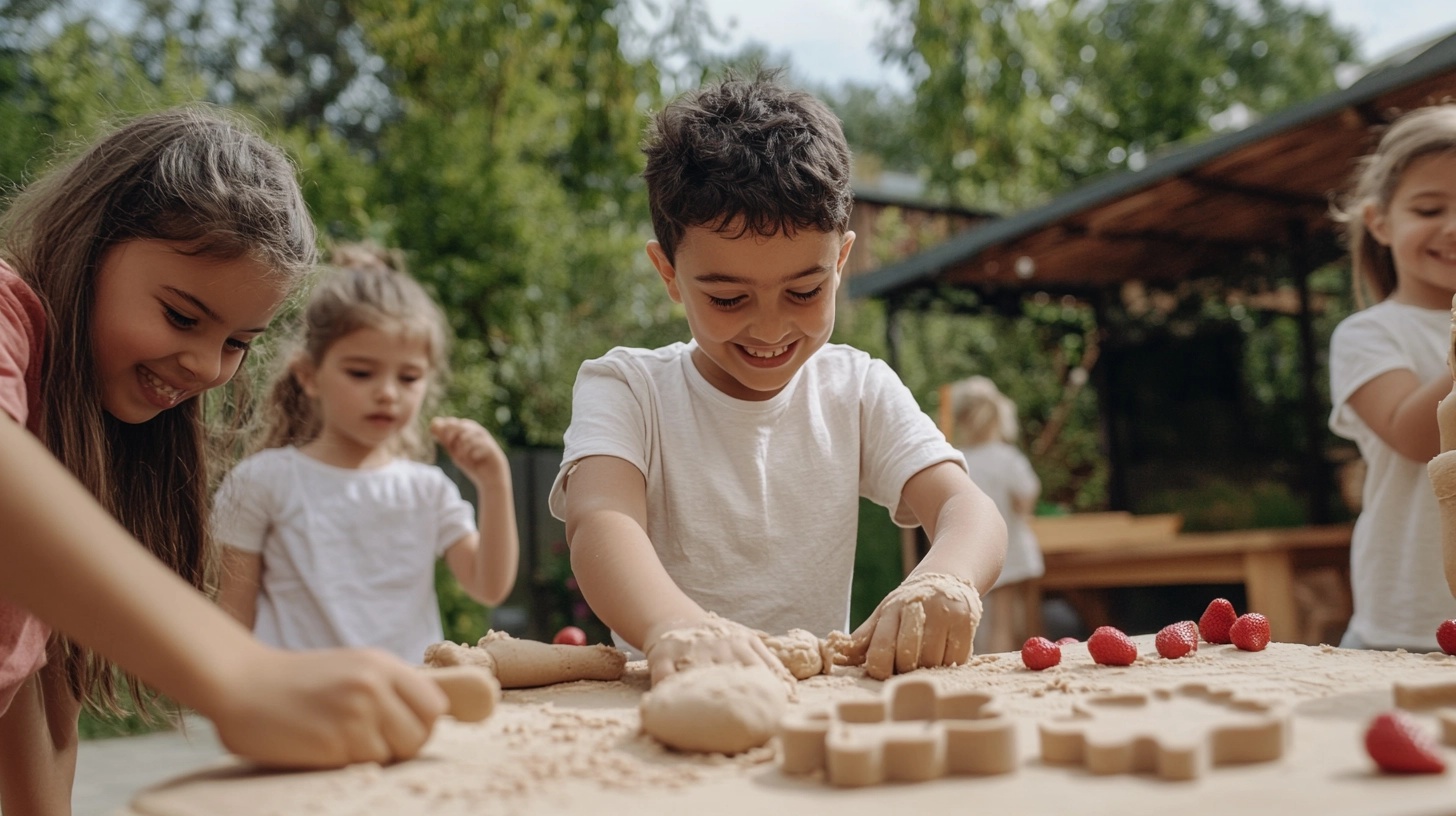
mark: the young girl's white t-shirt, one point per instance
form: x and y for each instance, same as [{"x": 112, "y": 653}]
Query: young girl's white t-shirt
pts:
[
  {"x": 1004, "y": 473},
  {"x": 1396, "y": 570},
  {"x": 348, "y": 555},
  {"x": 753, "y": 507}
]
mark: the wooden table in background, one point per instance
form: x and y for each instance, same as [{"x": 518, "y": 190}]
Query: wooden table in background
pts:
[{"x": 1265, "y": 561}]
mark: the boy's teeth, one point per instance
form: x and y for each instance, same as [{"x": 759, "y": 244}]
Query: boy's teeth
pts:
[{"x": 765, "y": 354}]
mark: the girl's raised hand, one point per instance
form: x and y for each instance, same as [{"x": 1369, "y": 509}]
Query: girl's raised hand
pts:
[
  {"x": 325, "y": 708},
  {"x": 470, "y": 446}
]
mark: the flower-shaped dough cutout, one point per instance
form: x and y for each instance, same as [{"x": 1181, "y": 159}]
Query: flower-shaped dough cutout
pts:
[
  {"x": 912, "y": 733},
  {"x": 1175, "y": 733}
]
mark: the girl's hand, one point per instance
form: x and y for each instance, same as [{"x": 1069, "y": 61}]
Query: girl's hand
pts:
[
  {"x": 929, "y": 620},
  {"x": 672, "y": 648},
  {"x": 326, "y": 708},
  {"x": 471, "y": 447}
]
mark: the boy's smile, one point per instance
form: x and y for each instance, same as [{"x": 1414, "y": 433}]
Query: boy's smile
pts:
[{"x": 759, "y": 307}]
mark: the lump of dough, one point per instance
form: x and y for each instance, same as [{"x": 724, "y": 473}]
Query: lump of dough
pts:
[{"x": 715, "y": 709}]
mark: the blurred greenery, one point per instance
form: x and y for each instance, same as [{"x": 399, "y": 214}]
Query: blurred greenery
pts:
[{"x": 496, "y": 144}]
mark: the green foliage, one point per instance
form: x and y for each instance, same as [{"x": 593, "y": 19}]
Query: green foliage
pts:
[{"x": 1016, "y": 99}]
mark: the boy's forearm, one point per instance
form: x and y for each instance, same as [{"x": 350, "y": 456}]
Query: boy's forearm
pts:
[
  {"x": 968, "y": 539},
  {"x": 624, "y": 582},
  {"x": 72, "y": 565}
]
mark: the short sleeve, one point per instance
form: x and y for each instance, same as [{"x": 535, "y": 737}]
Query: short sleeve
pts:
[
  {"x": 1024, "y": 481},
  {"x": 1361, "y": 349},
  {"x": 456, "y": 515},
  {"x": 608, "y": 418},
  {"x": 899, "y": 440},
  {"x": 243, "y": 508},
  {"x": 22, "y": 333}
]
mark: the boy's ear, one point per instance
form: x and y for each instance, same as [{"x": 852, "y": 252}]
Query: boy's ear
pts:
[
  {"x": 664, "y": 269},
  {"x": 844, "y": 252},
  {"x": 1375, "y": 222}
]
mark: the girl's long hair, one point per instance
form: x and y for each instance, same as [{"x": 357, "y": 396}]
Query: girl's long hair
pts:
[
  {"x": 365, "y": 287},
  {"x": 1422, "y": 132},
  {"x": 196, "y": 177}
]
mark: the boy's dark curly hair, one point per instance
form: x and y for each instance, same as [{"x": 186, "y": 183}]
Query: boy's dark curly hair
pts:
[{"x": 746, "y": 154}]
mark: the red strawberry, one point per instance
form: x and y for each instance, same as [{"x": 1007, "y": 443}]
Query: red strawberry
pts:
[
  {"x": 1110, "y": 647},
  {"x": 1250, "y": 632},
  {"x": 1064, "y": 641},
  {"x": 1446, "y": 636},
  {"x": 1216, "y": 620},
  {"x": 1039, "y": 653},
  {"x": 1177, "y": 639},
  {"x": 1399, "y": 745}
]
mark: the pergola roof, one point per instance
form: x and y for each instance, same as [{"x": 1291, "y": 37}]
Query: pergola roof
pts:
[{"x": 1191, "y": 212}]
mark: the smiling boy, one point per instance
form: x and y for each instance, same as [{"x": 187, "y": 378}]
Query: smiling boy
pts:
[{"x": 722, "y": 476}]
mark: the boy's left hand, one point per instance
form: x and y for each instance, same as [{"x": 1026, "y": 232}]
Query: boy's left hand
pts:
[
  {"x": 470, "y": 446},
  {"x": 929, "y": 620}
]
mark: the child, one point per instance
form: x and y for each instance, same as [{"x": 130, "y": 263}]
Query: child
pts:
[
  {"x": 723, "y": 476},
  {"x": 1388, "y": 371},
  {"x": 135, "y": 278},
  {"x": 331, "y": 532},
  {"x": 984, "y": 430}
]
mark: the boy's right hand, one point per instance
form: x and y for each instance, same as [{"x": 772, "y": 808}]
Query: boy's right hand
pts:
[
  {"x": 676, "y": 646},
  {"x": 326, "y": 708}
]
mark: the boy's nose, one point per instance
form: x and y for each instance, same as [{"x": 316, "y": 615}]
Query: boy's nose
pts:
[{"x": 769, "y": 326}]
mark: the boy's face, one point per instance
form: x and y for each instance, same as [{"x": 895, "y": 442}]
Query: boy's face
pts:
[{"x": 758, "y": 307}]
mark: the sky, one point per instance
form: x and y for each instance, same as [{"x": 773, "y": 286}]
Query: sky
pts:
[{"x": 830, "y": 41}]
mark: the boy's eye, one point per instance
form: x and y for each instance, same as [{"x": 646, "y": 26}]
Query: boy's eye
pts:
[
  {"x": 725, "y": 303},
  {"x": 806, "y": 296},
  {"x": 239, "y": 345},
  {"x": 178, "y": 319}
]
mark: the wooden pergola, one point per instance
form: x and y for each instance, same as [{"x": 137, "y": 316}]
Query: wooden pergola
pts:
[{"x": 1260, "y": 193}]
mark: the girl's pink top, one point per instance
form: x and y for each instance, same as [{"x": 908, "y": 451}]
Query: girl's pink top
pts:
[{"x": 22, "y": 345}]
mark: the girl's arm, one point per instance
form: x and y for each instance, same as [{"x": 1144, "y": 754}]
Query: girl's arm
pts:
[
  {"x": 72, "y": 565},
  {"x": 1401, "y": 410},
  {"x": 238, "y": 586},
  {"x": 625, "y": 583},
  {"x": 485, "y": 563}
]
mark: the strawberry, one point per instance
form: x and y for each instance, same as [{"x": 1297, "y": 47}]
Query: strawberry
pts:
[
  {"x": 1064, "y": 641},
  {"x": 1399, "y": 745},
  {"x": 1177, "y": 639},
  {"x": 1446, "y": 636},
  {"x": 1110, "y": 647},
  {"x": 1039, "y": 653},
  {"x": 1216, "y": 620},
  {"x": 1250, "y": 632}
]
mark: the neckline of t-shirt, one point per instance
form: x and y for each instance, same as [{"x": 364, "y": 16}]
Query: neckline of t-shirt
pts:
[
  {"x": 1432, "y": 314},
  {"x": 700, "y": 384},
  {"x": 325, "y": 467}
]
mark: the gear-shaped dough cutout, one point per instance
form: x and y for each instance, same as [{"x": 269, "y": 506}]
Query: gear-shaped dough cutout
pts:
[
  {"x": 1175, "y": 733},
  {"x": 912, "y": 733}
]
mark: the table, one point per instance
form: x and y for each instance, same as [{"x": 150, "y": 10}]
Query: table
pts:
[{"x": 1265, "y": 561}]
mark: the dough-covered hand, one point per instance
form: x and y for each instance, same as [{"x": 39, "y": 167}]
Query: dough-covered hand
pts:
[
  {"x": 326, "y": 708},
  {"x": 715, "y": 641},
  {"x": 929, "y": 620},
  {"x": 470, "y": 446}
]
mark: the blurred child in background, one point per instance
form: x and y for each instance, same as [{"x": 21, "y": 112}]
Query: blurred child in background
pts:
[
  {"x": 1388, "y": 372},
  {"x": 985, "y": 430},
  {"x": 332, "y": 529}
]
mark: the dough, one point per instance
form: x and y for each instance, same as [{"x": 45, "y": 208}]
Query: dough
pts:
[{"x": 715, "y": 709}]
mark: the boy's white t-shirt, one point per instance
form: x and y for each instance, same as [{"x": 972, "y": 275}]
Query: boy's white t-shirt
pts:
[
  {"x": 753, "y": 507},
  {"x": 1396, "y": 570},
  {"x": 348, "y": 555},
  {"x": 1004, "y": 473}
]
